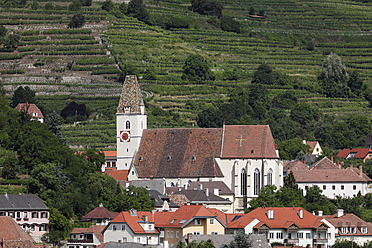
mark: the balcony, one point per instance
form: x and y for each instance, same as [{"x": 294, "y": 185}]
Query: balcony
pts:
[
  {"x": 80, "y": 241},
  {"x": 320, "y": 241},
  {"x": 291, "y": 241},
  {"x": 18, "y": 218},
  {"x": 25, "y": 218}
]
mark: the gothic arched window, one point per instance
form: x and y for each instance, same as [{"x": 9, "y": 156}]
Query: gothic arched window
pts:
[
  {"x": 127, "y": 125},
  {"x": 243, "y": 182},
  {"x": 256, "y": 182},
  {"x": 270, "y": 177}
]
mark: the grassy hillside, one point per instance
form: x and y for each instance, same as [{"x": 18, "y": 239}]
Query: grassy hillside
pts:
[{"x": 49, "y": 55}]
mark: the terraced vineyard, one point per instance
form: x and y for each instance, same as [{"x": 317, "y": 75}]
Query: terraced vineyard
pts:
[{"x": 80, "y": 64}]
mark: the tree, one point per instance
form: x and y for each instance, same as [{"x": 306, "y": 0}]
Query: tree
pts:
[
  {"x": 54, "y": 123},
  {"x": 9, "y": 163},
  {"x": 333, "y": 69},
  {"x": 137, "y": 198},
  {"x": 77, "y": 21},
  {"x": 108, "y": 5},
  {"x": 241, "y": 240},
  {"x": 196, "y": 68},
  {"x": 75, "y": 5},
  {"x": 263, "y": 75},
  {"x": 345, "y": 244},
  {"x": 74, "y": 109},
  {"x": 266, "y": 198},
  {"x": 355, "y": 83},
  {"x": 136, "y": 8},
  {"x": 205, "y": 7},
  {"x": 22, "y": 95},
  {"x": 2, "y": 31},
  {"x": 11, "y": 41},
  {"x": 230, "y": 25},
  {"x": 59, "y": 226},
  {"x": 289, "y": 149},
  {"x": 251, "y": 11}
]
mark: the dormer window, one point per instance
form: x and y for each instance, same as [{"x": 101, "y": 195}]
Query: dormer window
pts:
[
  {"x": 169, "y": 157},
  {"x": 363, "y": 229},
  {"x": 193, "y": 158},
  {"x": 344, "y": 230},
  {"x": 352, "y": 230}
]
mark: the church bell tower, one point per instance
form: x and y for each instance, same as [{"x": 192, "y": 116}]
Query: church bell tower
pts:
[{"x": 131, "y": 119}]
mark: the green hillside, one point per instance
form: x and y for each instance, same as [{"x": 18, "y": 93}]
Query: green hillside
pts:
[{"x": 294, "y": 37}]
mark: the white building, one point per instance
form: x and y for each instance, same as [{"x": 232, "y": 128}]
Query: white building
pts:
[
  {"x": 291, "y": 225},
  {"x": 243, "y": 156},
  {"x": 132, "y": 226},
  {"x": 331, "y": 179}
]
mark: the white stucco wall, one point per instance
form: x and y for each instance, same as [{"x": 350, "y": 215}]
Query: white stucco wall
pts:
[{"x": 330, "y": 192}]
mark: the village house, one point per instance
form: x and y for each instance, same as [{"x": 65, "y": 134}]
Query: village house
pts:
[
  {"x": 32, "y": 110},
  {"x": 29, "y": 211},
  {"x": 86, "y": 237},
  {"x": 99, "y": 216},
  {"x": 351, "y": 227},
  {"x": 362, "y": 153},
  {"x": 290, "y": 225},
  {"x": 243, "y": 156},
  {"x": 133, "y": 226},
  {"x": 12, "y": 235},
  {"x": 332, "y": 179}
]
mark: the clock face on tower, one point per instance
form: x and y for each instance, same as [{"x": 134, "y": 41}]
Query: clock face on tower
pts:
[{"x": 124, "y": 136}]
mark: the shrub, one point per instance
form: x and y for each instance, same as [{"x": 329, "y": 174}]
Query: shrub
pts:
[
  {"x": 230, "y": 25},
  {"x": 196, "y": 68},
  {"x": 77, "y": 21},
  {"x": 205, "y": 7}
]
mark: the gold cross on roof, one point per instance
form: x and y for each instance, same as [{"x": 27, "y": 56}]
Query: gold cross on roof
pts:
[{"x": 240, "y": 140}]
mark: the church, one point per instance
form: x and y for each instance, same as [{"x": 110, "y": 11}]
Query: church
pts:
[{"x": 244, "y": 157}]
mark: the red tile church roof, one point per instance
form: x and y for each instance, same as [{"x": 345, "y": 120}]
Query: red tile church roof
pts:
[{"x": 248, "y": 141}]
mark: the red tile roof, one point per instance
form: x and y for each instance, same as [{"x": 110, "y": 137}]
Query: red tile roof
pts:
[
  {"x": 248, "y": 141},
  {"x": 349, "y": 174},
  {"x": 179, "y": 152},
  {"x": 99, "y": 213},
  {"x": 118, "y": 175},
  {"x": 110, "y": 153},
  {"x": 293, "y": 165},
  {"x": 133, "y": 221},
  {"x": 312, "y": 144},
  {"x": 324, "y": 164},
  {"x": 185, "y": 214},
  {"x": 13, "y": 234},
  {"x": 31, "y": 109},
  {"x": 282, "y": 218},
  {"x": 360, "y": 152},
  {"x": 350, "y": 220},
  {"x": 96, "y": 229}
]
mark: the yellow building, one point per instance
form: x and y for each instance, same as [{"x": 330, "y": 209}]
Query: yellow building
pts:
[{"x": 194, "y": 219}]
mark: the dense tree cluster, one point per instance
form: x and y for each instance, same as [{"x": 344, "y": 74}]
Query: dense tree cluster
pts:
[
  {"x": 77, "y": 21},
  {"x": 70, "y": 184},
  {"x": 196, "y": 68},
  {"x": 206, "y": 7}
]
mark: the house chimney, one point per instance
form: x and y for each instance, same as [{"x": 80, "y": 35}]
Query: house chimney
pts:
[
  {"x": 133, "y": 212},
  {"x": 360, "y": 170},
  {"x": 216, "y": 191},
  {"x": 200, "y": 186},
  {"x": 145, "y": 218},
  {"x": 207, "y": 192},
  {"x": 340, "y": 213},
  {"x": 320, "y": 213},
  {"x": 300, "y": 214},
  {"x": 100, "y": 205},
  {"x": 189, "y": 238}
]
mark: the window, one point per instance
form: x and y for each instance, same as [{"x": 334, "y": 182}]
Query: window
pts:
[
  {"x": 344, "y": 230},
  {"x": 279, "y": 235},
  {"x": 123, "y": 227},
  {"x": 108, "y": 164},
  {"x": 214, "y": 233},
  {"x": 132, "y": 173},
  {"x": 11, "y": 214},
  {"x": 168, "y": 234},
  {"x": 18, "y": 214},
  {"x": 211, "y": 221},
  {"x": 43, "y": 215},
  {"x": 42, "y": 228},
  {"x": 177, "y": 234},
  {"x": 81, "y": 236},
  {"x": 243, "y": 182},
  {"x": 25, "y": 215},
  {"x": 127, "y": 125},
  {"x": 171, "y": 234},
  {"x": 333, "y": 187},
  {"x": 363, "y": 229},
  {"x": 271, "y": 235},
  {"x": 300, "y": 235},
  {"x": 352, "y": 230},
  {"x": 257, "y": 182},
  {"x": 197, "y": 222},
  {"x": 182, "y": 221},
  {"x": 354, "y": 187},
  {"x": 306, "y": 187},
  {"x": 32, "y": 229},
  {"x": 138, "y": 240},
  {"x": 125, "y": 239},
  {"x": 196, "y": 233},
  {"x": 173, "y": 221},
  {"x": 308, "y": 236},
  {"x": 324, "y": 187},
  {"x": 270, "y": 177},
  {"x": 113, "y": 164},
  {"x": 2, "y": 213},
  {"x": 342, "y": 187},
  {"x": 113, "y": 228}
]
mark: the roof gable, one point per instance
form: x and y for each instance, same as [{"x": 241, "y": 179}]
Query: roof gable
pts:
[
  {"x": 99, "y": 213},
  {"x": 359, "y": 152},
  {"x": 324, "y": 164},
  {"x": 248, "y": 141},
  {"x": 31, "y": 109},
  {"x": 180, "y": 152}
]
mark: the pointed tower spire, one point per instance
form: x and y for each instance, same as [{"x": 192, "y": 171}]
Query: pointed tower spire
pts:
[{"x": 131, "y": 101}]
